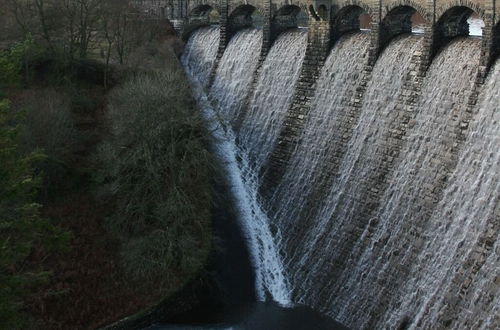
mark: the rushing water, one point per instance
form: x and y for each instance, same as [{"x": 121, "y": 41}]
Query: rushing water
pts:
[
  {"x": 272, "y": 97},
  {"x": 396, "y": 239},
  {"x": 199, "y": 55},
  {"x": 320, "y": 140},
  {"x": 384, "y": 210},
  {"x": 462, "y": 243},
  {"x": 270, "y": 279},
  {"x": 235, "y": 74},
  {"x": 320, "y": 229}
]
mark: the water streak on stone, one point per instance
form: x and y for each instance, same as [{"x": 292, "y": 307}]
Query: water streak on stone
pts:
[
  {"x": 272, "y": 97},
  {"x": 235, "y": 73},
  {"x": 199, "y": 56}
]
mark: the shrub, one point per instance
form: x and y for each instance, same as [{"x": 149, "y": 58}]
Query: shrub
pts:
[
  {"x": 21, "y": 226},
  {"x": 16, "y": 59},
  {"x": 48, "y": 123},
  {"x": 157, "y": 169}
]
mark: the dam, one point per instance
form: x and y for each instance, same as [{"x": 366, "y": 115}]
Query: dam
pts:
[{"x": 366, "y": 142}]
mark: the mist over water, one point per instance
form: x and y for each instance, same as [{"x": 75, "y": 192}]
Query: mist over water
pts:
[{"x": 384, "y": 210}]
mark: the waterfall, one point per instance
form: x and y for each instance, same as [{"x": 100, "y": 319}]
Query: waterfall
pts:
[
  {"x": 462, "y": 246},
  {"x": 235, "y": 73},
  {"x": 272, "y": 97},
  {"x": 314, "y": 262},
  {"x": 388, "y": 211},
  {"x": 396, "y": 236},
  {"x": 199, "y": 55},
  {"x": 270, "y": 278},
  {"x": 320, "y": 138}
]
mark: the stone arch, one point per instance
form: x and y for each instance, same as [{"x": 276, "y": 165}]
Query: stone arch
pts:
[
  {"x": 288, "y": 17},
  {"x": 199, "y": 16},
  {"x": 397, "y": 20},
  {"x": 203, "y": 11},
  {"x": 241, "y": 17},
  {"x": 452, "y": 22},
  {"x": 417, "y": 6},
  {"x": 348, "y": 18},
  {"x": 454, "y": 5}
]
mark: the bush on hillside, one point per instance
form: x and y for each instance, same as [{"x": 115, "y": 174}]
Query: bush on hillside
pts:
[
  {"x": 156, "y": 168},
  {"x": 21, "y": 226},
  {"x": 48, "y": 123},
  {"x": 15, "y": 60}
]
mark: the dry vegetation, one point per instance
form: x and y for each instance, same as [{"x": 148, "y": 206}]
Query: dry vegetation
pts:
[{"x": 98, "y": 99}]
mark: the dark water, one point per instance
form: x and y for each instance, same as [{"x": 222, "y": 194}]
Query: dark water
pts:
[
  {"x": 264, "y": 316},
  {"x": 233, "y": 271}
]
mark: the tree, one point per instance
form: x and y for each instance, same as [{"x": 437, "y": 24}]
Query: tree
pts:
[{"x": 21, "y": 226}]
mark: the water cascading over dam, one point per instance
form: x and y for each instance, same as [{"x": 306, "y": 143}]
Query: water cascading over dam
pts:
[
  {"x": 385, "y": 209},
  {"x": 380, "y": 258},
  {"x": 272, "y": 97},
  {"x": 325, "y": 178},
  {"x": 200, "y": 53},
  {"x": 320, "y": 140},
  {"x": 463, "y": 233},
  {"x": 240, "y": 60}
]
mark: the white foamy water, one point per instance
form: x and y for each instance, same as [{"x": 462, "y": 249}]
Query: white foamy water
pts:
[
  {"x": 462, "y": 246},
  {"x": 200, "y": 52},
  {"x": 235, "y": 74},
  {"x": 272, "y": 97},
  {"x": 405, "y": 207},
  {"x": 427, "y": 255},
  {"x": 270, "y": 278},
  {"x": 340, "y": 77}
]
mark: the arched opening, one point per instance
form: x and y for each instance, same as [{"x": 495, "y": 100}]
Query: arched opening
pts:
[
  {"x": 349, "y": 18},
  {"x": 476, "y": 25},
  {"x": 200, "y": 16},
  {"x": 399, "y": 20},
  {"x": 204, "y": 14},
  {"x": 455, "y": 22},
  {"x": 288, "y": 17},
  {"x": 242, "y": 17},
  {"x": 417, "y": 23},
  {"x": 459, "y": 21}
]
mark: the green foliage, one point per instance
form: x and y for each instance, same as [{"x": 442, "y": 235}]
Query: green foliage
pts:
[
  {"x": 13, "y": 60},
  {"x": 21, "y": 226},
  {"x": 157, "y": 169}
]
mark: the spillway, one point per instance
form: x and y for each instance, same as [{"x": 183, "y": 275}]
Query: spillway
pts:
[
  {"x": 319, "y": 224},
  {"x": 200, "y": 53},
  {"x": 272, "y": 97},
  {"x": 235, "y": 74},
  {"x": 462, "y": 243},
  {"x": 387, "y": 214},
  {"x": 386, "y": 252}
]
